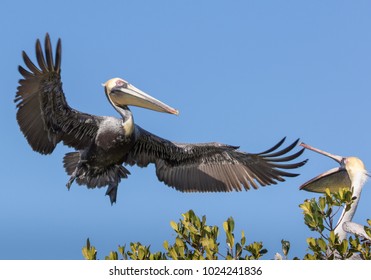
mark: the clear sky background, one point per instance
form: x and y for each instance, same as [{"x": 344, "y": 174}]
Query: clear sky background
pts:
[{"x": 244, "y": 73}]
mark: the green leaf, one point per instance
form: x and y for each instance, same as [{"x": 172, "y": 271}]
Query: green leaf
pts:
[
  {"x": 367, "y": 230},
  {"x": 121, "y": 250},
  {"x": 225, "y": 226},
  {"x": 243, "y": 238},
  {"x": 112, "y": 256},
  {"x": 193, "y": 230},
  {"x": 322, "y": 203},
  {"x": 173, "y": 254},
  {"x": 311, "y": 241},
  {"x": 207, "y": 229},
  {"x": 174, "y": 226},
  {"x": 141, "y": 253},
  {"x": 343, "y": 247},
  {"x": 231, "y": 224},
  {"x": 309, "y": 257},
  {"x": 322, "y": 244},
  {"x": 328, "y": 192},
  {"x": 166, "y": 245},
  {"x": 230, "y": 239},
  {"x": 89, "y": 252},
  {"x": 332, "y": 237},
  {"x": 179, "y": 242},
  {"x": 238, "y": 250}
]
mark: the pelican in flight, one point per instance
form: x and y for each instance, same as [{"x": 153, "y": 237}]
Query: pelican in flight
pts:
[
  {"x": 351, "y": 174},
  {"x": 104, "y": 144}
]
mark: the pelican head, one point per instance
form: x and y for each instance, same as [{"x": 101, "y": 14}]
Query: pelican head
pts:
[
  {"x": 121, "y": 94},
  {"x": 351, "y": 172}
]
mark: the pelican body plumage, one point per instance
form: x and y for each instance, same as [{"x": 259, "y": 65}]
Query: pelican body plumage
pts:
[{"x": 104, "y": 144}]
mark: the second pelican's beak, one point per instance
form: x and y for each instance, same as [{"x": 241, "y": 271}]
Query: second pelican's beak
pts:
[{"x": 125, "y": 94}]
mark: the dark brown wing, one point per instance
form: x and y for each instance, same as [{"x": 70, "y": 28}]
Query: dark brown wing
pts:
[
  {"x": 211, "y": 167},
  {"x": 43, "y": 113}
]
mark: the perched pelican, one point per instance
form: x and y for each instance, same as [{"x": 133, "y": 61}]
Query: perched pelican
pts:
[
  {"x": 103, "y": 144},
  {"x": 352, "y": 175}
]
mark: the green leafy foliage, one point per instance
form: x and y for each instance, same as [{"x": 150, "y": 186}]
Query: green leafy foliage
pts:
[
  {"x": 195, "y": 240},
  {"x": 319, "y": 215}
]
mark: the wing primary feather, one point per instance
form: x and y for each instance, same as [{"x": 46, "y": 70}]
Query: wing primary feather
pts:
[
  {"x": 226, "y": 178},
  {"x": 235, "y": 180},
  {"x": 219, "y": 177},
  {"x": 275, "y": 147},
  {"x": 261, "y": 176},
  {"x": 246, "y": 180},
  {"x": 49, "y": 53},
  {"x": 25, "y": 73},
  {"x": 286, "y": 174},
  {"x": 175, "y": 176},
  {"x": 248, "y": 173},
  {"x": 283, "y": 151},
  {"x": 288, "y": 158},
  {"x": 30, "y": 64},
  {"x": 244, "y": 177},
  {"x": 58, "y": 56},
  {"x": 289, "y": 166},
  {"x": 40, "y": 57}
]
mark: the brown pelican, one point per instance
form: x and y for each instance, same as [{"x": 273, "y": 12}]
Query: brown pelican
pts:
[
  {"x": 352, "y": 175},
  {"x": 103, "y": 144}
]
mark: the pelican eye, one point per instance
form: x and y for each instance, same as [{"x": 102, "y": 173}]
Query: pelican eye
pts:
[{"x": 121, "y": 83}]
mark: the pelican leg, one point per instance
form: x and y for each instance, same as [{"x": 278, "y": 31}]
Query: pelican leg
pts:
[
  {"x": 75, "y": 174},
  {"x": 112, "y": 191},
  {"x": 71, "y": 180}
]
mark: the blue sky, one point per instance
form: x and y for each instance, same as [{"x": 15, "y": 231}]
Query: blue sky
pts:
[{"x": 244, "y": 73}]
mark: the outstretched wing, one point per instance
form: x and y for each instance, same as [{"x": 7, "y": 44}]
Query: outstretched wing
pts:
[
  {"x": 43, "y": 113},
  {"x": 211, "y": 167}
]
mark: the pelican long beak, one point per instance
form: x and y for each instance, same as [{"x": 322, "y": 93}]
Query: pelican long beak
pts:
[
  {"x": 334, "y": 157},
  {"x": 130, "y": 95}
]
